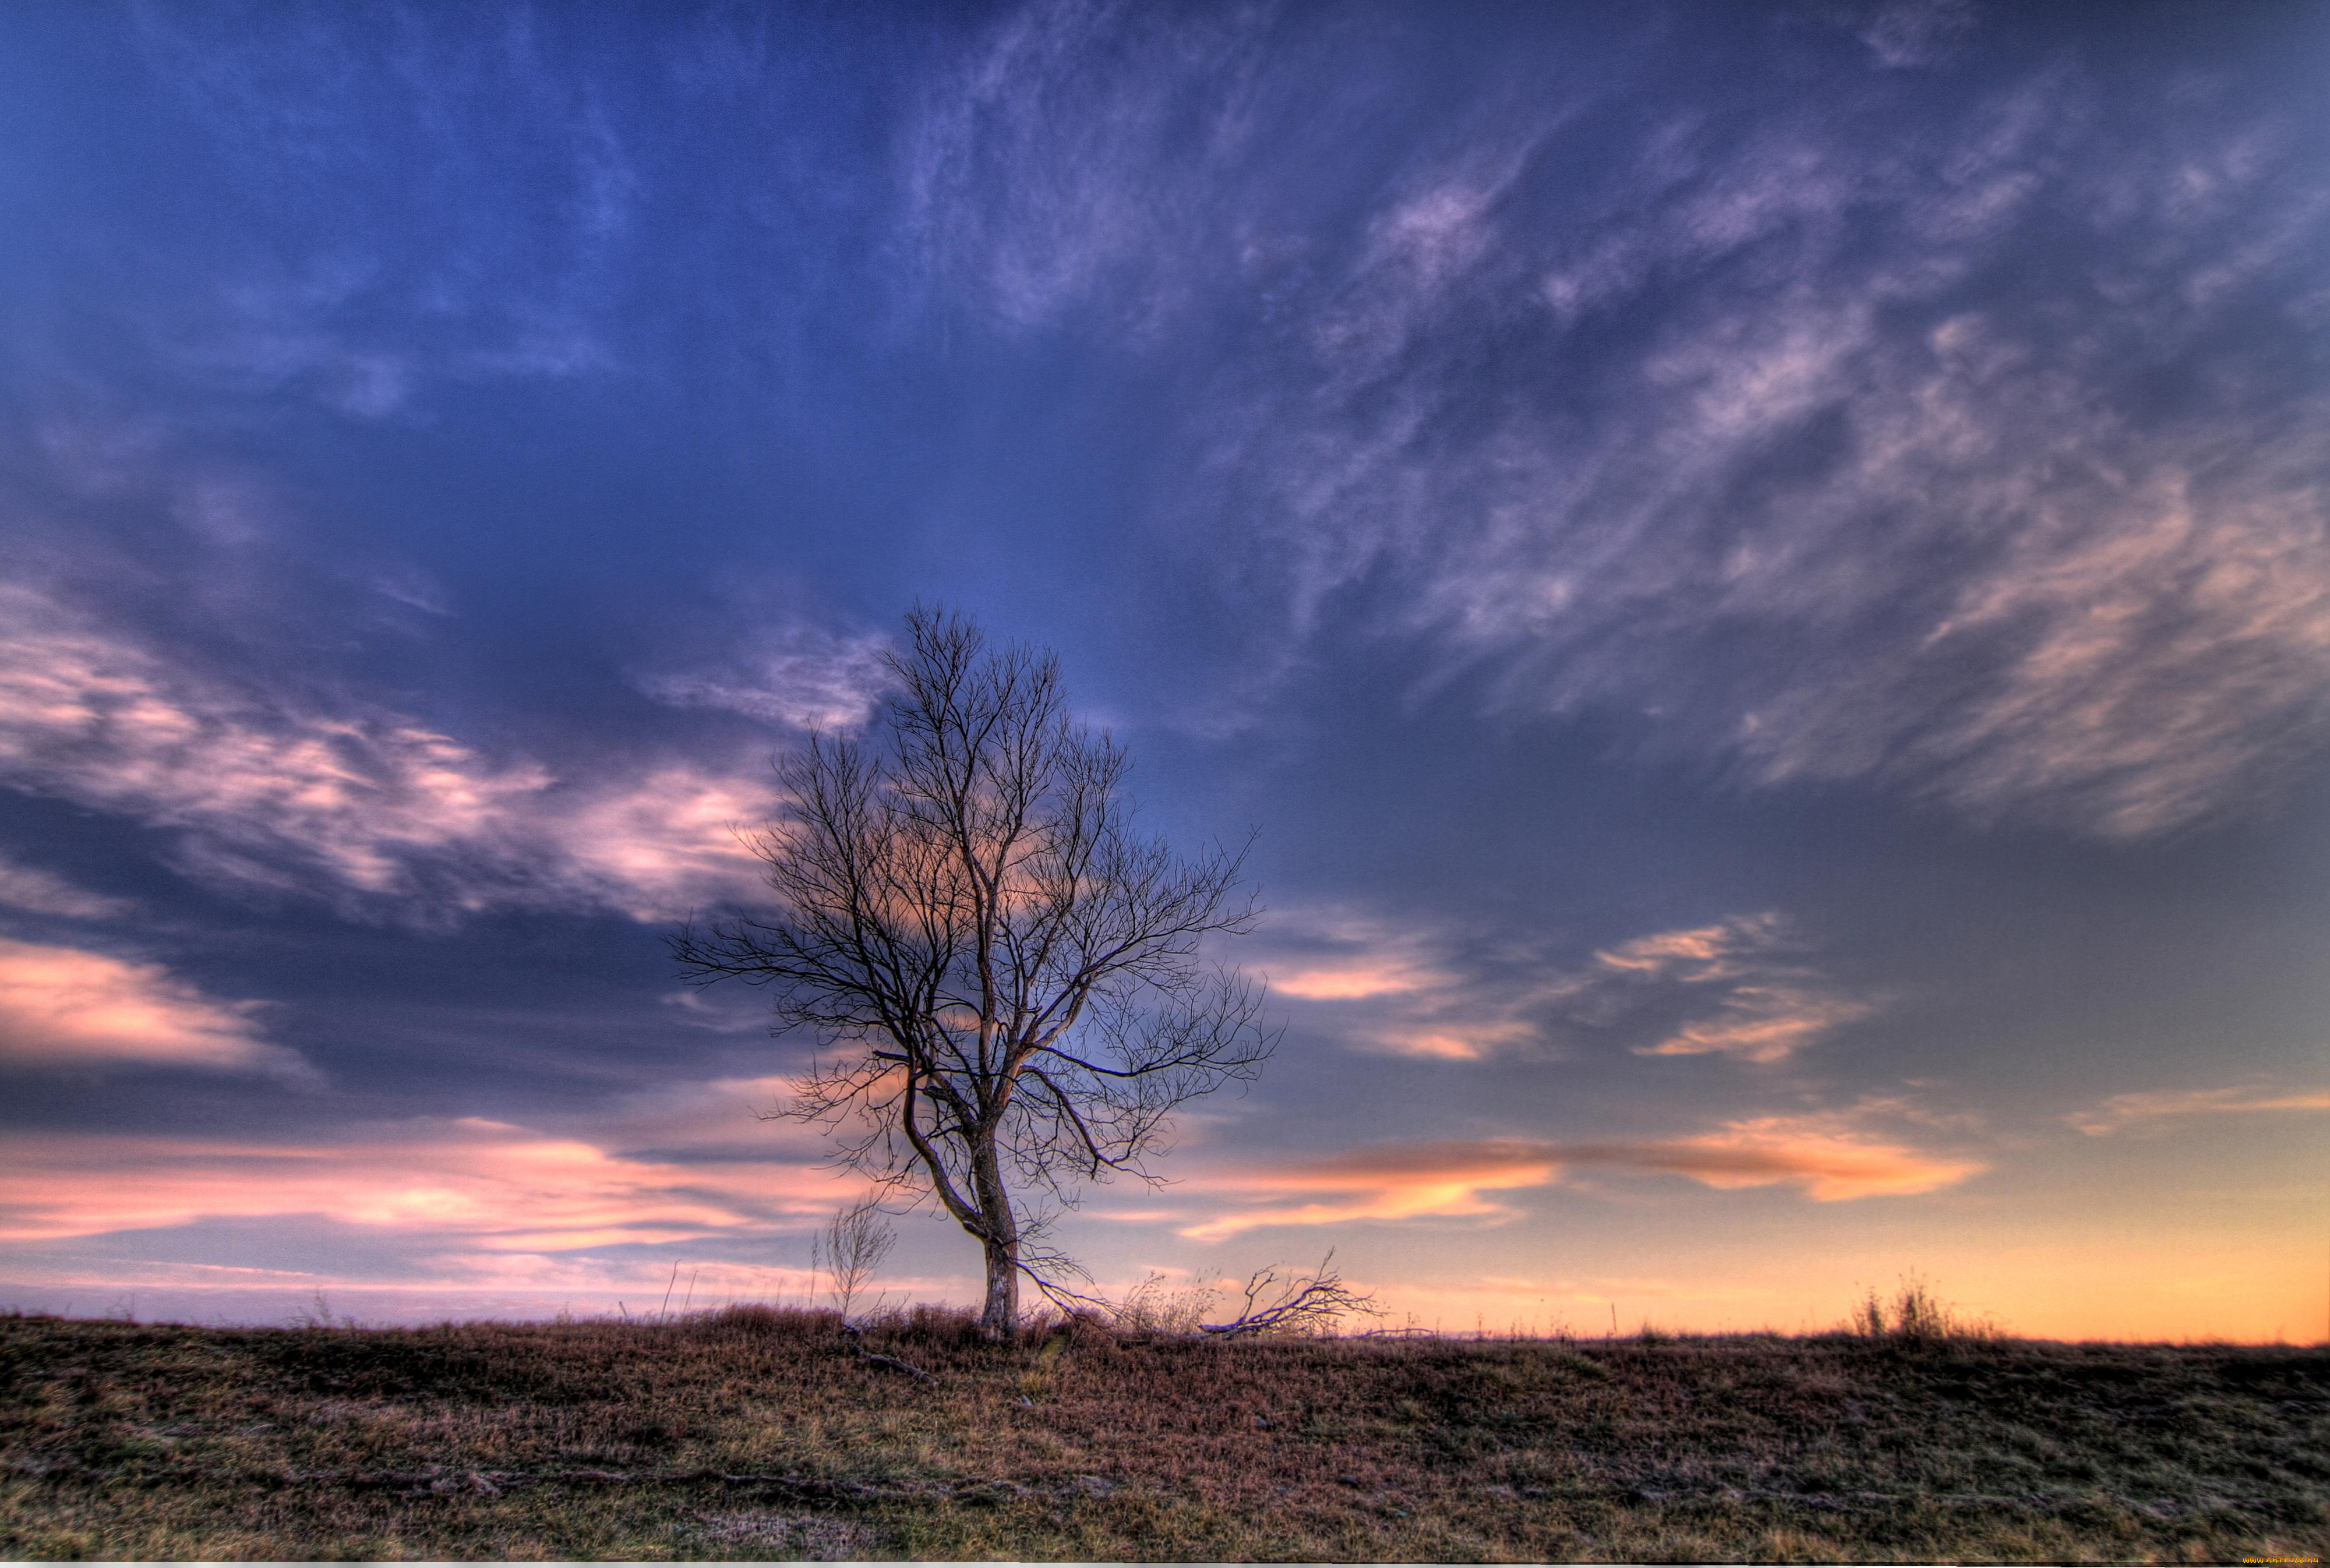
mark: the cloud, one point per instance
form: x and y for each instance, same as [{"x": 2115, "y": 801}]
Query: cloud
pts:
[
  {"x": 1700, "y": 954},
  {"x": 1770, "y": 1008},
  {"x": 1411, "y": 990},
  {"x": 1761, "y": 1024},
  {"x": 38, "y": 892},
  {"x": 1011, "y": 175},
  {"x": 1384, "y": 975},
  {"x": 1955, "y": 448},
  {"x": 699, "y": 1011},
  {"x": 1830, "y": 1157},
  {"x": 472, "y": 1185},
  {"x": 1951, "y": 561},
  {"x": 803, "y": 676},
  {"x": 1904, "y": 33},
  {"x": 322, "y": 795},
  {"x": 1827, "y": 1156},
  {"x": 658, "y": 844},
  {"x": 367, "y": 293},
  {"x": 68, "y": 1006},
  {"x": 1401, "y": 1182},
  {"x": 2124, "y": 1110},
  {"x": 1438, "y": 991}
]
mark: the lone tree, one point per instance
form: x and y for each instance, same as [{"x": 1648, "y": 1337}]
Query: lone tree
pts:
[{"x": 1015, "y": 976}]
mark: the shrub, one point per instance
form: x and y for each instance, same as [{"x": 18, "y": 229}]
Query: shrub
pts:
[
  {"x": 1158, "y": 1306},
  {"x": 1915, "y": 1315}
]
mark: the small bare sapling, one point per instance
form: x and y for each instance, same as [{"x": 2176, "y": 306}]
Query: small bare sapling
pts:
[{"x": 853, "y": 1246}]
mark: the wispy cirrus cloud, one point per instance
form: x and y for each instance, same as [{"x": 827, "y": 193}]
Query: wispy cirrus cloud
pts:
[
  {"x": 1830, "y": 1157},
  {"x": 362, "y": 315},
  {"x": 1341, "y": 955},
  {"x": 37, "y": 892},
  {"x": 1414, "y": 990},
  {"x": 1771, "y": 1002},
  {"x": 1697, "y": 954},
  {"x": 1838, "y": 449},
  {"x": 2122, "y": 1111},
  {"x": 1762, "y": 1024},
  {"x": 803, "y": 676},
  {"x": 68, "y": 1006},
  {"x": 1428, "y": 991}
]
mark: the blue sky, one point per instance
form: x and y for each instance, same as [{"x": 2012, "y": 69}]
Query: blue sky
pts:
[{"x": 1761, "y": 573}]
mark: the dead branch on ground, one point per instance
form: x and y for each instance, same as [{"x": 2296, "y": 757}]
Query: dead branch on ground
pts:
[
  {"x": 857, "y": 1338},
  {"x": 1278, "y": 1303}
]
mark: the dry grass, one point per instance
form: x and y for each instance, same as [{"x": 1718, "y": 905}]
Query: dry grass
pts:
[{"x": 759, "y": 1433}]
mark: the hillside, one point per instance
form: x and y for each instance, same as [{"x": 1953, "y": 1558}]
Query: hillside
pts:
[{"x": 753, "y": 1433}]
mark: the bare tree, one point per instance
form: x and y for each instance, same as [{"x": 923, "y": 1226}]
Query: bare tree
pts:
[
  {"x": 854, "y": 1241},
  {"x": 1017, "y": 978}
]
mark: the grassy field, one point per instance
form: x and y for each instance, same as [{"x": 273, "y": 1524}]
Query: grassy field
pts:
[{"x": 753, "y": 1434}]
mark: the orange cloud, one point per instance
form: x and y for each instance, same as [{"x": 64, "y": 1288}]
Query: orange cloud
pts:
[
  {"x": 1428, "y": 1000},
  {"x": 1400, "y": 1182},
  {"x": 1761, "y": 1024},
  {"x": 1823, "y": 1155},
  {"x": 1453, "y": 1040},
  {"x": 1425, "y": 1002},
  {"x": 1820, "y": 1154},
  {"x": 63, "y": 1004},
  {"x": 2127, "y": 1110},
  {"x": 1697, "y": 954}
]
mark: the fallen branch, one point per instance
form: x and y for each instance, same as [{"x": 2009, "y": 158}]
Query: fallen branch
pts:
[
  {"x": 1296, "y": 1304},
  {"x": 857, "y": 1338}
]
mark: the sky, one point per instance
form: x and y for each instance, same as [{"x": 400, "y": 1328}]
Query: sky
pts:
[{"x": 1760, "y": 575}]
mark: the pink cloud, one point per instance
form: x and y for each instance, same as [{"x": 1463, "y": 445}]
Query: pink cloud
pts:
[
  {"x": 347, "y": 800},
  {"x": 481, "y": 1186},
  {"x": 1399, "y": 988},
  {"x": 1351, "y": 981},
  {"x": 64, "y": 1004}
]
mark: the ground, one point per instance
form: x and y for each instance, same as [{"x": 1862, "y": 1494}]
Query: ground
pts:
[{"x": 753, "y": 1434}]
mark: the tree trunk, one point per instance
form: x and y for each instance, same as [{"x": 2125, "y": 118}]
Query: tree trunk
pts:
[{"x": 1000, "y": 1318}]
